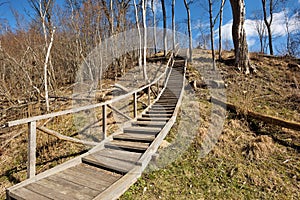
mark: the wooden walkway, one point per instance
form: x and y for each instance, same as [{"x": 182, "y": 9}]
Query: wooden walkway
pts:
[{"x": 109, "y": 169}]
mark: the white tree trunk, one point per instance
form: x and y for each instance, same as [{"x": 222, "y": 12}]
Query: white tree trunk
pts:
[
  {"x": 139, "y": 32},
  {"x": 212, "y": 42},
  {"x": 242, "y": 60},
  {"x": 165, "y": 26},
  {"x": 154, "y": 25},
  {"x": 173, "y": 24},
  {"x": 145, "y": 40},
  {"x": 189, "y": 30}
]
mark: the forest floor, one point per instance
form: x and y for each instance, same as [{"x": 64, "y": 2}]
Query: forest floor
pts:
[{"x": 251, "y": 159}]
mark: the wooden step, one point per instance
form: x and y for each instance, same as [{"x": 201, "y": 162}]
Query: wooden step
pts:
[
  {"x": 145, "y": 130},
  {"x": 157, "y": 115},
  {"x": 113, "y": 164},
  {"x": 159, "y": 111},
  {"x": 162, "y": 108},
  {"x": 149, "y": 123},
  {"x": 127, "y": 145},
  {"x": 153, "y": 119},
  {"x": 119, "y": 154},
  {"x": 139, "y": 137}
]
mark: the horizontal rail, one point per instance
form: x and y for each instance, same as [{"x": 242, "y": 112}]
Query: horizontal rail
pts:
[{"x": 88, "y": 107}]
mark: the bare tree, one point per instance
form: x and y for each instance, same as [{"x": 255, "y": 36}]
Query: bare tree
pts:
[
  {"x": 212, "y": 33},
  {"x": 242, "y": 60},
  {"x": 144, "y": 3},
  {"x": 154, "y": 25},
  {"x": 268, "y": 7},
  {"x": 187, "y": 4},
  {"x": 43, "y": 9},
  {"x": 173, "y": 23},
  {"x": 165, "y": 25},
  {"x": 260, "y": 28},
  {"x": 220, "y": 28},
  {"x": 139, "y": 33}
]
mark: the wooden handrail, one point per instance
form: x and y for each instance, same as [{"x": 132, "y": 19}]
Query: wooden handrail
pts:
[{"x": 88, "y": 107}]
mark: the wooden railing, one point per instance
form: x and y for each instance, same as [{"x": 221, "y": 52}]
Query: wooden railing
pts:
[{"x": 32, "y": 121}]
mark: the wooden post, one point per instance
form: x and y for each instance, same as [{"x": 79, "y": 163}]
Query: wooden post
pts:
[
  {"x": 104, "y": 121},
  {"x": 134, "y": 105},
  {"x": 31, "y": 149},
  {"x": 149, "y": 97}
]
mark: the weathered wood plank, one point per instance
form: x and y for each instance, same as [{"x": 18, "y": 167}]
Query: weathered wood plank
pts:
[
  {"x": 120, "y": 186},
  {"x": 31, "y": 149},
  {"x": 135, "y": 137},
  {"x": 25, "y": 194},
  {"x": 149, "y": 123},
  {"x": 137, "y": 129},
  {"x": 49, "y": 192},
  {"x": 68, "y": 188},
  {"x": 109, "y": 163},
  {"x": 137, "y": 146},
  {"x": 119, "y": 154},
  {"x": 107, "y": 176},
  {"x": 74, "y": 179}
]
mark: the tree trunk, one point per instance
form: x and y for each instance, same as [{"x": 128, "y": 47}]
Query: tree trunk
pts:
[
  {"x": 212, "y": 34},
  {"x": 189, "y": 30},
  {"x": 173, "y": 23},
  {"x": 154, "y": 25},
  {"x": 242, "y": 60},
  {"x": 220, "y": 28},
  {"x": 268, "y": 23},
  {"x": 139, "y": 32},
  {"x": 165, "y": 25},
  {"x": 145, "y": 40}
]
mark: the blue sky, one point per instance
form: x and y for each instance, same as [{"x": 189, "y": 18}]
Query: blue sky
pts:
[{"x": 199, "y": 15}]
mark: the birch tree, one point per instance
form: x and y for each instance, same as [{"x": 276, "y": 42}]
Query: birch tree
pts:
[
  {"x": 154, "y": 25},
  {"x": 187, "y": 7},
  {"x": 242, "y": 60},
  {"x": 220, "y": 28},
  {"x": 144, "y": 3},
  {"x": 211, "y": 27},
  {"x": 164, "y": 25}
]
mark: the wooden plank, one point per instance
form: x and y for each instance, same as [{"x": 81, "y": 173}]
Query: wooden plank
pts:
[
  {"x": 149, "y": 123},
  {"x": 109, "y": 163},
  {"x": 120, "y": 186},
  {"x": 134, "y": 105},
  {"x": 94, "y": 176},
  {"x": 154, "y": 119},
  {"x": 66, "y": 138},
  {"x": 157, "y": 115},
  {"x": 107, "y": 176},
  {"x": 135, "y": 137},
  {"x": 49, "y": 192},
  {"x": 137, "y": 129},
  {"x": 137, "y": 146},
  {"x": 118, "y": 111},
  {"x": 159, "y": 112},
  {"x": 68, "y": 188},
  {"x": 25, "y": 194},
  {"x": 31, "y": 149},
  {"x": 119, "y": 154},
  {"x": 104, "y": 123},
  {"x": 80, "y": 181}
]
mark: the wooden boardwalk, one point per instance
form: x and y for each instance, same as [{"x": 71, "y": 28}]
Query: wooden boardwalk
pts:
[{"x": 109, "y": 169}]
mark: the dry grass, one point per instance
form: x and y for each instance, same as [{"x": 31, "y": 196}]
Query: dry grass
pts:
[{"x": 248, "y": 162}]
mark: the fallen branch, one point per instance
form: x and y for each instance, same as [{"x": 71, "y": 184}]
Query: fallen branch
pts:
[
  {"x": 66, "y": 138},
  {"x": 265, "y": 118}
]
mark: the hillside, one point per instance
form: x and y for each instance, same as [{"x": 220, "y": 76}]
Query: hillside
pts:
[{"x": 251, "y": 160}]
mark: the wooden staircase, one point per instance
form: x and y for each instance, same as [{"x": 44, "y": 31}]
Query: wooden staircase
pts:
[{"x": 109, "y": 169}]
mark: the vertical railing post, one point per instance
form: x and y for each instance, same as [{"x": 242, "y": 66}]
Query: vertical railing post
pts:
[
  {"x": 31, "y": 149},
  {"x": 104, "y": 127},
  {"x": 134, "y": 105},
  {"x": 149, "y": 97}
]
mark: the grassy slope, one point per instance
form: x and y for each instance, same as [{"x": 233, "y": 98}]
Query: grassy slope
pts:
[{"x": 246, "y": 163}]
